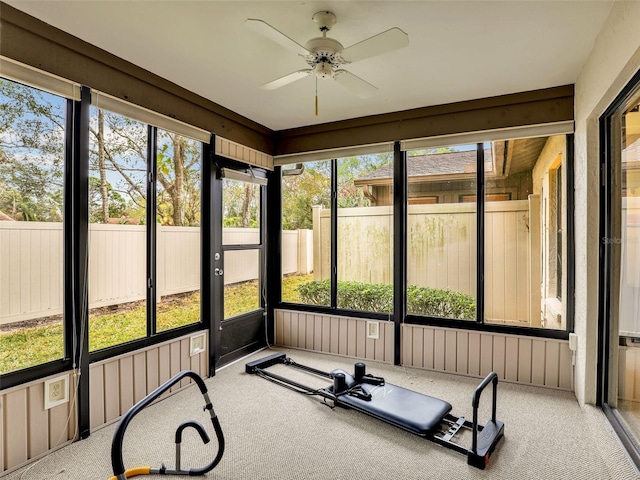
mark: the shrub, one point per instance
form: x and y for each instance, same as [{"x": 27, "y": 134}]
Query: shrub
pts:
[
  {"x": 367, "y": 297},
  {"x": 433, "y": 302}
]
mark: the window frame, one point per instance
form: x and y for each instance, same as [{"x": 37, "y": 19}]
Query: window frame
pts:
[
  {"x": 401, "y": 200},
  {"x": 75, "y": 245},
  {"x": 607, "y": 338}
]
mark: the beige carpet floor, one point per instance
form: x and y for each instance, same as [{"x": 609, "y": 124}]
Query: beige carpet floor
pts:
[{"x": 274, "y": 433}]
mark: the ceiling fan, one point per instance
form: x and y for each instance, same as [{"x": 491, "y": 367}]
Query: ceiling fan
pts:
[{"x": 325, "y": 56}]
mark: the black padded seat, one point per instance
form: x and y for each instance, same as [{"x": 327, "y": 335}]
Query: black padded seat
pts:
[{"x": 404, "y": 408}]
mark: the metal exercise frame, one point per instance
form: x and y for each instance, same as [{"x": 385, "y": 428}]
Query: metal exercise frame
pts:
[
  {"x": 119, "y": 472},
  {"x": 484, "y": 437}
]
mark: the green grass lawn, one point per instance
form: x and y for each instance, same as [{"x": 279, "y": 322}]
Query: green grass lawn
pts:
[{"x": 36, "y": 345}]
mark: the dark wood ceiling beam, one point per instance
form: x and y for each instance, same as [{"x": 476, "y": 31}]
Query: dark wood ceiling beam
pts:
[
  {"x": 35, "y": 43},
  {"x": 513, "y": 110}
]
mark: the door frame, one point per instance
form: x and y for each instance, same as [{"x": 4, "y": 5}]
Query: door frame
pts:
[
  {"x": 251, "y": 323},
  {"x": 608, "y": 338}
]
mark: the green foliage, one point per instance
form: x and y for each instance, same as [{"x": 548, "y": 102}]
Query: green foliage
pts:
[
  {"x": 431, "y": 302},
  {"x": 300, "y": 193},
  {"x": 316, "y": 292},
  {"x": 367, "y": 297},
  {"x": 431, "y": 151},
  {"x": 117, "y": 204},
  {"x": 31, "y": 153},
  {"x": 434, "y": 302},
  {"x": 290, "y": 284},
  {"x": 37, "y": 345},
  {"x": 240, "y": 204}
]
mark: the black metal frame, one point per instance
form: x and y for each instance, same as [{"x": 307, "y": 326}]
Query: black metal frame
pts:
[
  {"x": 480, "y": 191},
  {"x": 606, "y": 226},
  {"x": 76, "y": 243},
  {"x": 219, "y": 322},
  {"x": 400, "y": 194},
  {"x": 484, "y": 437},
  {"x": 400, "y": 314},
  {"x": 151, "y": 228}
]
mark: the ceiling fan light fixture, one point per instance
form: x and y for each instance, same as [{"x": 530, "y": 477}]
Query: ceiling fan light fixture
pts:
[{"x": 324, "y": 70}]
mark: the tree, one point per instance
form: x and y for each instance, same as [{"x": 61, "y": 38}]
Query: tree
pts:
[
  {"x": 178, "y": 166},
  {"x": 119, "y": 156},
  {"x": 300, "y": 193},
  {"x": 241, "y": 204},
  {"x": 31, "y": 153},
  {"x": 117, "y": 159},
  {"x": 32, "y": 132}
]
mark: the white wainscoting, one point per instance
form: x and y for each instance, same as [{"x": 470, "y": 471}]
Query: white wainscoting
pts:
[
  {"x": 527, "y": 360},
  {"x": 29, "y": 431}
]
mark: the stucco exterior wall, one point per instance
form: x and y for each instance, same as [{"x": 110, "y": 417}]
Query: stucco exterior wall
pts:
[{"x": 614, "y": 59}]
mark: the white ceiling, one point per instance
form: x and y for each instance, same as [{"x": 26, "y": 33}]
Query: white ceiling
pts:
[{"x": 458, "y": 50}]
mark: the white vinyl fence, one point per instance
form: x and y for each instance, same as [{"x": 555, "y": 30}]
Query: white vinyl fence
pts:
[
  {"x": 441, "y": 252},
  {"x": 31, "y": 264}
]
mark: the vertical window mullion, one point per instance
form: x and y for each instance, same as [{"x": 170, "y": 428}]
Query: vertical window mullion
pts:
[
  {"x": 152, "y": 147},
  {"x": 400, "y": 210},
  {"x": 207, "y": 293},
  {"x": 70, "y": 339},
  {"x": 334, "y": 233},
  {"x": 480, "y": 191},
  {"x": 263, "y": 240},
  {"x": 80, "y": 256}
]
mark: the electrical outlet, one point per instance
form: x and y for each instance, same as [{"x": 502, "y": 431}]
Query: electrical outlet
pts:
[
  {"x": 373, "y": 330},
  {"x": 198, "y": 344},
  {"x": 56, "y": 391}
]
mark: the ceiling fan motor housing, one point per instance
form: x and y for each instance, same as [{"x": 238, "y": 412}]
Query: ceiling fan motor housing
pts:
[{"x": 324, "y": 56}]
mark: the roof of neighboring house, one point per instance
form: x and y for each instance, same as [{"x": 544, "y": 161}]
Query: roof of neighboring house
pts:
[{"x": 433, "y": 164}]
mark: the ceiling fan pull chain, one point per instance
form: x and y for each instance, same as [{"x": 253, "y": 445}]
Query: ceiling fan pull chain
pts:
[{"x": 316, "y": 96}]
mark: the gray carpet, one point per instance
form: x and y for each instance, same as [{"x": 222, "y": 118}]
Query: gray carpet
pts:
[{"x": 274, "y": 433}]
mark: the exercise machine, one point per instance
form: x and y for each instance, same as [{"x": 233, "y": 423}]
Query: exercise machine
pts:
[
  {"x": 117, "y": 464},
  {"x": 415, "y": 412}
]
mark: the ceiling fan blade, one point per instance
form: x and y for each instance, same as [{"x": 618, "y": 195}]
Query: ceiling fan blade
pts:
[
  {"x": 277, "y": 36},
  {"x": 384, "y": 42},
  {"x": 355, "y": 84},
  {"x": 287, "y": 79}
]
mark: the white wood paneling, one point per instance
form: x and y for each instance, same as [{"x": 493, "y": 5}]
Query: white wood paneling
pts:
[
  {"x": 529, "y": 360},
  {"x": 333, "y": 334},
  {"x": 27, "y": 429},
  {"x": 230, "y": 149},
  {"x": 119, "y": 382}
]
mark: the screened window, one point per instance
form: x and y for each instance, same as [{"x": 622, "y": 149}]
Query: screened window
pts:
[
  {"x": 365, "y": 234},
  {"x": 241, "y": 238},
  {"x": 523, "y": 236},
  {"x": 178, "y": 197},
  {"x": 32, "y": 167},
  {"x": 519, "y": 279},
  {"x": 344, "y": 246},
  {"x": 117, "y": 229},
  {"x": 306, "y": 234},
  {"x": 441, "y": 238},
  {"x": 144, "y": 236}
]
